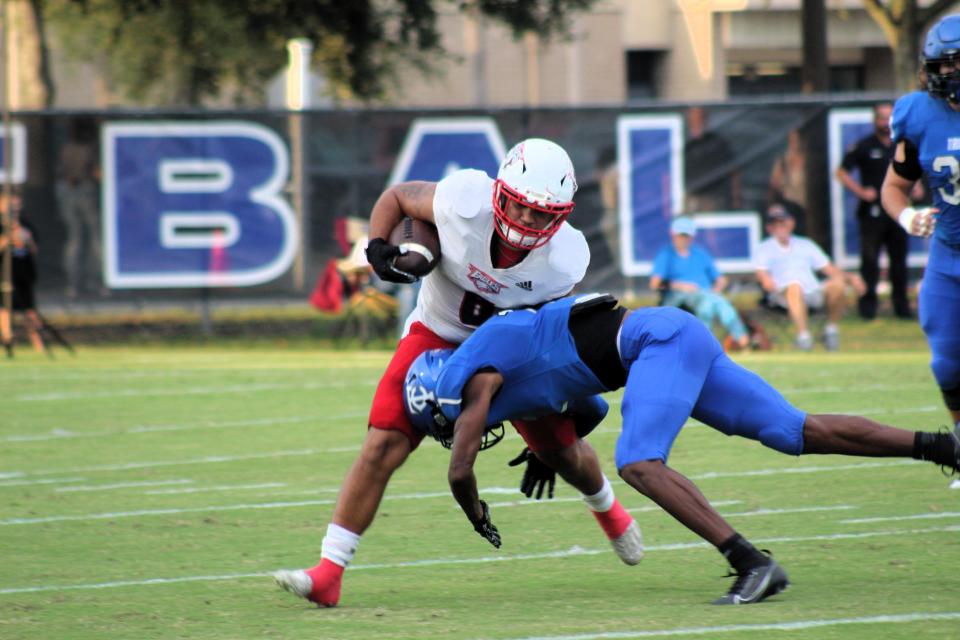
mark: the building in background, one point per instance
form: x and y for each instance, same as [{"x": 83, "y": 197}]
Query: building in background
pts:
[
  {"x": 622, "y": 50},
  {"x": 673, "y": 50}
]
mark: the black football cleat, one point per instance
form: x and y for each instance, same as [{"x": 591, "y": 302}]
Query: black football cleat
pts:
[
  {"x": 756, "y": 584},
  {"x": 955, "y": 438}
]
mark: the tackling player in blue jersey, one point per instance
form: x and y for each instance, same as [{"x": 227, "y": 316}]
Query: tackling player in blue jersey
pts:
[
  {"x": 926, "y": 130},
  {"x": 529, "y": 363}
]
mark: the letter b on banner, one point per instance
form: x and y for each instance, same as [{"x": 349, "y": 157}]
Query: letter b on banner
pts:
[{"x": 195, "y": 205}]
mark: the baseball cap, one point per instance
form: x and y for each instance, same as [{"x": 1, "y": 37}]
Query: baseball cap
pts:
[
  {"x": 684, "y": 225},
  {"x": 777, "y": 212}
]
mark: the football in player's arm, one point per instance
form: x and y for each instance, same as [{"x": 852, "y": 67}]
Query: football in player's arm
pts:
[{"x": 506, "y": 243}]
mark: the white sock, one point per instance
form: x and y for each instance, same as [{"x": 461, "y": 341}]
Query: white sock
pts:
[
  {"x": 602, "y": 500},
  {"x": 803, "y": 335},
  {"x": 339, "y": 545},
  {"x": 831, "y": 327}
]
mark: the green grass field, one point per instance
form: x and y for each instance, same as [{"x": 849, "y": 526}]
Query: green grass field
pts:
[{"x": 150, "y": 493}]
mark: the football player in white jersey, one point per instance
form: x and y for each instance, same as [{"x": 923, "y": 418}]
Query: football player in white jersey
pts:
[{"x": 505, "y": 243}]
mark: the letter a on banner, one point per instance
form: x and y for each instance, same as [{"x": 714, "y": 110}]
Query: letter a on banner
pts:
[
  {"x": 190, "y": 204},
  {"x": 649, "y": 158},
  {"x": 436, "y": 147}
]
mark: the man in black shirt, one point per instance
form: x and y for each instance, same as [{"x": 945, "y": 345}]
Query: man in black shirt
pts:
[
  {"x": 871, "y": 156},
  {"x": 712, "y": 183}
]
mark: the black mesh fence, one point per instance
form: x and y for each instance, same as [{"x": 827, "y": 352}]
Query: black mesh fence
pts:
[{"x": 348, "y": 158}]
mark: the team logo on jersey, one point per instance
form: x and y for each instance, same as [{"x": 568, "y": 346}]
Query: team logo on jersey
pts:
[
  {"x": 953, "y": 144},
  {"x": 483, "y": 282},
  {"x": 526, "y": 285}
]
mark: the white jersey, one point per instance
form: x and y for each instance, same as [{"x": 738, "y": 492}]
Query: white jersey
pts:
[{"x": 465, "y": 281}]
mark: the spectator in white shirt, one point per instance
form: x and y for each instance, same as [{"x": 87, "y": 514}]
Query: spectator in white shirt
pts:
[{"x": 787, "y": 268}]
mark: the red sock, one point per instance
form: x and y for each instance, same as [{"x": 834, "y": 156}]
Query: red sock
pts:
[
  {"x": 615, "y": 521},
  {"x": 327, "y": 578}
]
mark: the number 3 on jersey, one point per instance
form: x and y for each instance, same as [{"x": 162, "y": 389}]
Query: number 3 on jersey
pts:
[{"x": 951, "y": 164}]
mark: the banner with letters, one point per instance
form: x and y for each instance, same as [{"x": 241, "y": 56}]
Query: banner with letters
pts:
[
  {"x": 188, "y": 204},
  {"x": 203, "y": 201}
]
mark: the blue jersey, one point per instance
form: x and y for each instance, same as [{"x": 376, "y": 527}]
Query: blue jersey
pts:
[
  {"x": 534, "y": 352},
  {"x": 676, "y": 368},
  {"x": 934, "y": 128}
]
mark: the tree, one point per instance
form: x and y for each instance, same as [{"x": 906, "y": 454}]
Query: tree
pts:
[
  {"x": 179, "y": 53},
  {"x": 903, "y": 22}
]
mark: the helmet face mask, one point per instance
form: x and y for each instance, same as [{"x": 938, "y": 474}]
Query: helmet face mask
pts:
[
  {"x": 422, "y": 406},
  {"x": 536, "y": 174},
  {"x": 941, "y": 59}
]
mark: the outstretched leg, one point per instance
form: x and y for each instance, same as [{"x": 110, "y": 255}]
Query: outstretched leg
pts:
[
  {"x": 857, "y": 436},
  {"x": 854, "y": 436}
]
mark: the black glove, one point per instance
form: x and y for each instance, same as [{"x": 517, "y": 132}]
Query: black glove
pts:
[
  {"x": 381, "y": 255},
  {"x": 485, "y": 528},
  {"x": 536, "y": 476}
]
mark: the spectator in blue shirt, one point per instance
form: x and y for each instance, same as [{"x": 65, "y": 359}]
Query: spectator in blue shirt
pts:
[{"x": 688, "y": 278}]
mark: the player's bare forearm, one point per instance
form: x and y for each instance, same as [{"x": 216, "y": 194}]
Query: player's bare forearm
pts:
[
  {"x": 468, "y": 433},
  {"x": 467, "y": 436},
  {"x": 895, "y": 193},
  {"x": 464, "y": 489},
  {"x": 411, "y": 199}
]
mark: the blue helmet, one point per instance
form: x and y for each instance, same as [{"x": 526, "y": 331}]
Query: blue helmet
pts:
[
  {"x": 942, "y": 45},
  {"x": 422, "y": 408},
  {"x": 420, "y": 397}
]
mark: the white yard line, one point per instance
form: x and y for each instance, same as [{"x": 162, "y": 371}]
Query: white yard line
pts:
[
  {"x": 797, "y": 625},
  {"x": 27, "y": 483},
  {"x": 849, "y": 390},
  {"x": 709, "y": 475},
  {"x": 568, "y": 553},
  {"x": 222, "y": 487},
  {"x": 128, "y": 466},
  {"x": 66, "y": 434},
  {"x": 325, "y": 501},
  {"x": 525, "y": 502},
  {"x": 121, "y": 485},
  {"x": 919, "y": 516},
  {"x": 125, "y": 466},
  {"x": 168, "y": 391},
  {"x": 62, "y": 433},
  {"x": 775, "y": 512}
]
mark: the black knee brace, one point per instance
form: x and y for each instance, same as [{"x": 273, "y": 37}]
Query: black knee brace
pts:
[{"x": 951, "y": 397}]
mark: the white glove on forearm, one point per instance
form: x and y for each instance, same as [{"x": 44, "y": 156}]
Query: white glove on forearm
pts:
[{"x": 918, "y": 222}]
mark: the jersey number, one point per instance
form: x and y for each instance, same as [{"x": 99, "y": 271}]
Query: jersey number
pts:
[
  {"x": 950, "y": 163},
  {"x": 474, "y": 310}
]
